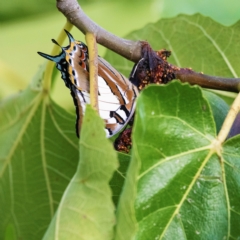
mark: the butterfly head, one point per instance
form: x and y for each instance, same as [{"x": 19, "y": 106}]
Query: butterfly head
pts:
[{"x": 75, "y": 51}]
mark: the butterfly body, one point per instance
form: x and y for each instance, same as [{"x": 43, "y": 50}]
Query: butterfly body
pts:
[{"x": 116, "y": 94}]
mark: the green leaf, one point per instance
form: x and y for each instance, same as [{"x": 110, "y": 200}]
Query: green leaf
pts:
[
  {"x": 195, "y": 41},
  {"x": 126, "y": 223},
  {"x": 179, "y": 180},
  {"x": 119, "y": 176},
  {"x": 10, "y": 233},
  {"x": 86, "y": 210},
  {"x": 231, "y": 156},
  {"x": 38, "y": 157},
  {"x": 219, "y": 108}
]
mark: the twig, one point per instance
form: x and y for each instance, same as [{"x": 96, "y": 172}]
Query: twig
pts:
[
  {"x": 73, "y": 12},
  {"x": 232, "y": 114},
  {"x": 93, "y": 69},
  {"x": 132, "y": 49},
  {"x": 203, "y": 80}
]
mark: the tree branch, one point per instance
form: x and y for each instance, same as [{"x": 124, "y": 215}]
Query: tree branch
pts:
[
  {"x": 206, "y": 81},
  {"x": 132, "y": 50},
  {"x": 73, "y": 12}
]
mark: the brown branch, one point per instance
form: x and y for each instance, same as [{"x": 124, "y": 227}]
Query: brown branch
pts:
[
  {"x": 206, "y": 81},
  {"x": 73, "y": 12},
  {"x": 132, "y": 50}
]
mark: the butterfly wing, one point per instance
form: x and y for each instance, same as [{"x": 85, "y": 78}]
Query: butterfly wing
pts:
[
  {"x": 117, "y": 94},
  {"x": 116, "y": 98}
]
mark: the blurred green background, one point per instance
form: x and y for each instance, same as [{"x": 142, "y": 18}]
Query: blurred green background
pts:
[{"x": 27, "y": 26}]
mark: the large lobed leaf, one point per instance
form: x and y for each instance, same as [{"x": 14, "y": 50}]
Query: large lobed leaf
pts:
[
  {"x": 195, "y": 41},
  {"x": 183, "y": 188},
  {"x": 38, "y": 157},
  {"x": 86, "y": 210}
]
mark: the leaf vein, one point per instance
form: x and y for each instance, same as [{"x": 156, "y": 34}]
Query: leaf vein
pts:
[{"x": 215, "y": 45}]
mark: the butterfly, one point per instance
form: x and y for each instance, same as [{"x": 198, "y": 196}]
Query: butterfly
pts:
[{"x": 116, "y": 94}]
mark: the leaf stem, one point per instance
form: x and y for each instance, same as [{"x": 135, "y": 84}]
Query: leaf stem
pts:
[
  {"x": 226, "y": 127},
  {"x": 93, "y": 69},
  {"x": 47, "y": 79}
]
